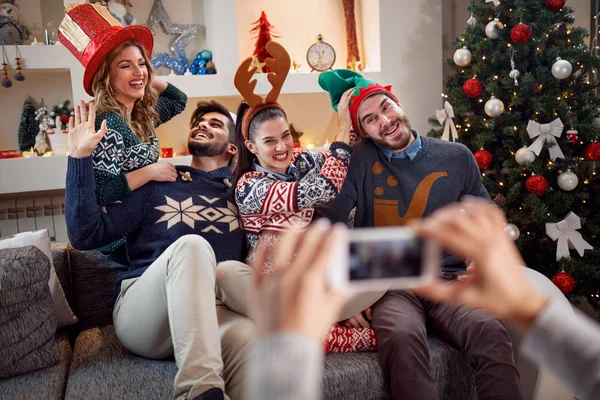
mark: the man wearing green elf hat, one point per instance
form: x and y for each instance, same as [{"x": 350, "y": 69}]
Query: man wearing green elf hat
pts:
[{"x": 395, "y": 176}]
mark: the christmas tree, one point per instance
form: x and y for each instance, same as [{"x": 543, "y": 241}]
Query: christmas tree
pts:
[
  {"x": 263, "y": 31},
  {"x": 28, "y": 127},
  {"x": 529, "y": 117}
]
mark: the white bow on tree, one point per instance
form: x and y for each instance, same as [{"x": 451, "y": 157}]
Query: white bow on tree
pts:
[
  {"x": 493, "y": 1},
  {"x": 565, "y": 231},
  {"x": 445, "y": 118},
  {"x": 546, "y": 133}
]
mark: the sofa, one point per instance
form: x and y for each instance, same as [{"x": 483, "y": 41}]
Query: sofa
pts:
[{"x": 94, "y": 365}]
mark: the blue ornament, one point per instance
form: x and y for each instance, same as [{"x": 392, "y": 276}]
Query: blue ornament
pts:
[
  {"x": 194, "y": 70},
  {"x": 195, "y": 63},
  {"x": 206, "y": 55},
  {"x": 177, "y": 64},
  {"x": 202, "y": 71},
  {"x": 201, "y": 63}
]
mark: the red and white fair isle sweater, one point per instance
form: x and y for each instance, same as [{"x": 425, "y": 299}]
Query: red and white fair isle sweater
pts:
[{"x": 268, "y": 204}]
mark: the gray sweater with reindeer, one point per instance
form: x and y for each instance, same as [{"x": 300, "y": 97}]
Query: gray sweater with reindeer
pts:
[{"x": 390, "y": 191}]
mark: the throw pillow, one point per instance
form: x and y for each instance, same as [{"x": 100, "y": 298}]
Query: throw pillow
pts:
[
  {"x": 41, "y": 240},
  {"x": 27, "y": 320},
  {"x": 340, "y": 339}
]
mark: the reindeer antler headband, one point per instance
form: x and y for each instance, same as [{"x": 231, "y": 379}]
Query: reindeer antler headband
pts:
[{"x": 280, "y": 63}]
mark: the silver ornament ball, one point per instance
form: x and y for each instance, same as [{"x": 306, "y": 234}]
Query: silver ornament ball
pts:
[
  {"x": 491, "y": 31},
  {"x": 513, "y": 231},
  {"x": 567, "y": 181},
  {"x": 494, "y": 107},
  {"x": 524, "y": 156},
  {"x": 462, "y": 57},
  {"x": 561, "y": 69}
]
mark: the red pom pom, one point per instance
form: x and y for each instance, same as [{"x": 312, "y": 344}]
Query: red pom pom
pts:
[
  {"x": 592, "y": 151},
  {"x": 564, "y": 281},
  {"x": 472, "y": 88},
  {"x": 536, "y": 184},
  {"x": 555, "y": 5},
  {"x": 483, "y": 158},
  {"x": 520, "y": 34}
]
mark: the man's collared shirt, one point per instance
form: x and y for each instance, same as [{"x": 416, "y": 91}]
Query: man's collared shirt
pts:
[
  {"x": 290, "y": 175},
  {"x": 410, "y": 152}
]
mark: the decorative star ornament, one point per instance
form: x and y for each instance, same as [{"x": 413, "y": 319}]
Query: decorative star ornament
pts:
[
  {"x": 354, "y": 65},
  {"x": 186, "y": 32},
  {"x": 496, "y": 2},
  {"x": 259, "y": 65}
]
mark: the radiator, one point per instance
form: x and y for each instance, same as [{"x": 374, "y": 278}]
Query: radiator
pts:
[{"x": 25, "y": 214}]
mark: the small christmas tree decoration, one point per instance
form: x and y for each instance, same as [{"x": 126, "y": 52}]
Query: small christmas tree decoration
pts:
[
  {"x": 499, "y": 200},
  {"x": 492, "y": 29},
  {"x": 546, "y": 133},
  {"x": 444, "y": 117},
  {"x": 564, "y": 281},
  {"x": 513, "y": 231},
  {"x": 462, "y": 57},
  {"x": 264, "y": 32},
  {"x": 472, "y": 21},
  {"x": 567, "y": 181},
  {"x": 561, "y": 69},
  {"x": 514, "y": 73},
  {"x": 573, "y": 136},
  {"x": 472, "y": 88},
  {"x": 28, "y": 127},
  {"x": 494, "y": 107},
  {"x": 566, "y": 234},
  {"x": 524, "y": 156},
  {"x": 536, "y": 184},
  {"x": 592, "y": 152},
  {"x": 555, "y": 5},
  {"x": 520, "y": 34},
  {"x": 483, "y": 158}
]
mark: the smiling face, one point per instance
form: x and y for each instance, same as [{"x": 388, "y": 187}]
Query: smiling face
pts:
[
  {"x": 209, "y": 136},
  {"x": 128, "y": 75},
  {"x": 383, "y": 121},
  {"x": 273, "y": 145}
]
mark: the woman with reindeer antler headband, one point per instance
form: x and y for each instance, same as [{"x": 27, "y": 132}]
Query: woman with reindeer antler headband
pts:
[
  {"x": 130, "y": 100},
  {"x": 277, "y": 186}
]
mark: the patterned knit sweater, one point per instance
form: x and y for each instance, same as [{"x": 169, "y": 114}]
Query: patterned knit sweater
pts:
[
  {"x": 155, "y": 215},
  {"x": 121, "y": 150},
  {"x": 269, "y": 205}
]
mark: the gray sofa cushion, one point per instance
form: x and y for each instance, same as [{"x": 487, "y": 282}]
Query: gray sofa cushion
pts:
[
  {"x": 103, "y": 369},
  {"x": 60, "y": 259},
  {"x": 358, "y": 376},
  {"x": 93, "y": 278},
  {"x": 49, "y": 383},
  {"x": 27, "y": 319}
]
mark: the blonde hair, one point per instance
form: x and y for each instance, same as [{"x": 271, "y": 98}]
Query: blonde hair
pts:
[{"x": 143, "y": 115}]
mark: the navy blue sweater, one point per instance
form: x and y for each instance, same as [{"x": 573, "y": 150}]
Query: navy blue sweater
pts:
[{"x": 155, "y": 215}]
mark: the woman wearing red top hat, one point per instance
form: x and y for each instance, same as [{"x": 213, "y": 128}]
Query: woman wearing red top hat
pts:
[{"x": 128, "y": 95}]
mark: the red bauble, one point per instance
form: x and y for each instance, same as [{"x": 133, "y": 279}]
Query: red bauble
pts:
[
  {"x": 520, "y": 34},
  {"x": 536, "y": 184},
  {"x": 472, "y": 88},
  {"x": 564, "y": 281},
  {"x": 483, "y": 158},
  {"x": 592, "y": 151},
  {"x": 573, "y": 137},
  {"x": 555, "y": 5}
]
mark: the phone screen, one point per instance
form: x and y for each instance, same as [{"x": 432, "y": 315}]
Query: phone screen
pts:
[{"x": 387, "y": 258}]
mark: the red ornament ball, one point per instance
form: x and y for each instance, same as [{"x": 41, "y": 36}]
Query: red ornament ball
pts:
[
  {"x": 564, "y": 281},
  {"x": 555, "y": 5},
  {"x": 536, "y": 184},
  {"x": 520, "y": 34},
  {"x": 573, "y": 137},
  {"x": 483, "y": 158},
  {"x": 592, "y": 151},
  {"x": 472, "y": 88}
]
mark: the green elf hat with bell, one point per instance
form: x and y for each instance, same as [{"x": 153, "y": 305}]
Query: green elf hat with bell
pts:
[{"x": 337, "y": 81}]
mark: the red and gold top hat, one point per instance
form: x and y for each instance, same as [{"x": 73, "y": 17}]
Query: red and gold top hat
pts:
[{"x": 91, "y": 33}]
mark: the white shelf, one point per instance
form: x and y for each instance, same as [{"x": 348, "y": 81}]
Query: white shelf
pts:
[
  {"x": 19, "y": 175},
  {"x": 222, "y": 84},
  {"x": 44, "y": 57}
]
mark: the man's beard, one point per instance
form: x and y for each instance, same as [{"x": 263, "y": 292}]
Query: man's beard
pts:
[
  {"x": 400, "y": 142},
  {"x": 206, "y": 149}
]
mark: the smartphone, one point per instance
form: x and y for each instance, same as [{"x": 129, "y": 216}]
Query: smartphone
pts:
[{"x": 384, "y": 258}]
